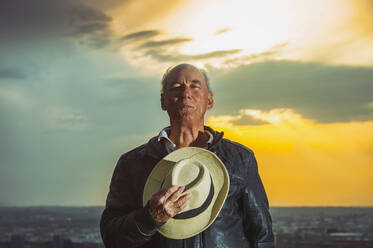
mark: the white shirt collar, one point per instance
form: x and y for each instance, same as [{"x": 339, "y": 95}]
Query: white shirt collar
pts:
[{"x": 170, "y": 146}]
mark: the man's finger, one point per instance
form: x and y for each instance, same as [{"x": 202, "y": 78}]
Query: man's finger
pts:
[
  {"x": 182, "y": 207},
  {"x": 182, "y": 201},
  {"x": 169, "y": 192},
  {"x": 176, "y": 194},
  {"x": 155, "y": 200}
]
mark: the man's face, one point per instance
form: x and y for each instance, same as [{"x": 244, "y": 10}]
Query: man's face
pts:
[{"x": 186, "y": 95}]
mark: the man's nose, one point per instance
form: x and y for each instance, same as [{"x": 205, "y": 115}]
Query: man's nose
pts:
[{"x": 186, "y": 91}]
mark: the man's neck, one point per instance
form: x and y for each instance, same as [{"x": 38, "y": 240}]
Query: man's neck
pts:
[{"x": 188, "y": 134}]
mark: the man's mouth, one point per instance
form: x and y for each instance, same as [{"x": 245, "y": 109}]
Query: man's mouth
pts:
[{"x": 186, "y": 105}]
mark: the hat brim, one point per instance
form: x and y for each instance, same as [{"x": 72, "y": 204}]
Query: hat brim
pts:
[{"x": 185, "y": 228}]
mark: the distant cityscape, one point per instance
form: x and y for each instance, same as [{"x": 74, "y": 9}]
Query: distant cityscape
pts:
[{"x": 78, "y": 227}]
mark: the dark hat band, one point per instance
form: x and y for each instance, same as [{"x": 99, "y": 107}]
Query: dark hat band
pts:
[{"x": 196, "y": 211}]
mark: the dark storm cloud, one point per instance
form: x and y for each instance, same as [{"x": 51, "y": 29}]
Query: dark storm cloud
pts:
[
  {"x": 145, "y": 34},
  {"x": 98, "y": 42},
  {"x": 40, "y": 19},
  {"x": 162, "y": 43},
  {"x": 167, "y": 57},
  {"x": 320, "y": 92},
  {"x": 90, "y": 28},
  {"x": 8, "y": 73},
  {"x": 107, "y": 4}
]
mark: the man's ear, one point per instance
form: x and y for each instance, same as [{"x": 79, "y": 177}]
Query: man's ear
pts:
[
  {"x": 163, "y": 106},
  {"x": 210, "y": 101}
]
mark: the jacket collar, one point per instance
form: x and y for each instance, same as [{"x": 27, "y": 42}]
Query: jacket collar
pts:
[
  {"x": 170, "y": 146},
  {"x": 156, "y": 148}
]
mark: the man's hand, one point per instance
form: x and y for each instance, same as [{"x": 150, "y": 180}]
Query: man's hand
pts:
[{"x": 165, "y": 203}]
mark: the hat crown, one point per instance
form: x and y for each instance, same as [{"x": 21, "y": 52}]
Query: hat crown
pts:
[
  {"x": 175, "y": 168},
  {"x": 194, "y": 175}
]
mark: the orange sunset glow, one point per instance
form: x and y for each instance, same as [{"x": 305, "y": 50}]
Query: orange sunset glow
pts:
[{"x": 305, "y": 163}]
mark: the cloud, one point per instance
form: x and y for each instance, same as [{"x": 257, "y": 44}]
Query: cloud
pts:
[
  {"x": 299, "y": 158},
  {"x": 342, "y": 37},
  {"x": 269, "y": 54},
  {"x": 108, "y": 4},
  {"x": 62, "y": 119},
  {"x": 140, "y": 35},
  {"x": 137, "y": 15},
  {"x": 98, "y": 42},
  {"x": 369, "y": 105},
  {"x": 14, "y": 73},
  {"x": 18, "y": 98},
  {"x": 172, "y": 57},
  {"x": 221, "y": 31},
  {"x": 321, "y": 92},
  {"x": 248, "y": 120},
  {"x": 46, "y": 19},
  {"x": 258, "y": 117},
  {"x": 163, "y": 43},
  {"x": 89, "y": 28}
]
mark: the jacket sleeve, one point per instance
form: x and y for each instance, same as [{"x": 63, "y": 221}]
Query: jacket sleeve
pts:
[
  {"x": 122, "y": 223},
  {"x": 257, "y": 219}
]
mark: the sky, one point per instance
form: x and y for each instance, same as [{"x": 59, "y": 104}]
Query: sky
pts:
[{"x": 80, "y": 85}]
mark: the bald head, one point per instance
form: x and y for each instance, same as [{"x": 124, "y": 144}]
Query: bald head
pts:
[{"x": 177, "y": 68}]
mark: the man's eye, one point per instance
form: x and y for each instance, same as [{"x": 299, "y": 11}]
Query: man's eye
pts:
[
  {"x": 197, "y": 86},
  {"x": 175, "y": 85}
]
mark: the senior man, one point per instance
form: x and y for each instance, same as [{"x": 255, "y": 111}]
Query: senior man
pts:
[{"x": 244, "y": 219}]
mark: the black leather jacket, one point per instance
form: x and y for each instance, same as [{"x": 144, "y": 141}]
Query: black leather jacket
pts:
[{"x": 244, "y": 220}]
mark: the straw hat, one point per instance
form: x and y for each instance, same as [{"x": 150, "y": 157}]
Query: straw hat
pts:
[{"x": 203, "y": 175}]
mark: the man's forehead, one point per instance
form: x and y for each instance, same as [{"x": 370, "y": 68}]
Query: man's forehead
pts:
[{"x": 186, "y": 71}]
